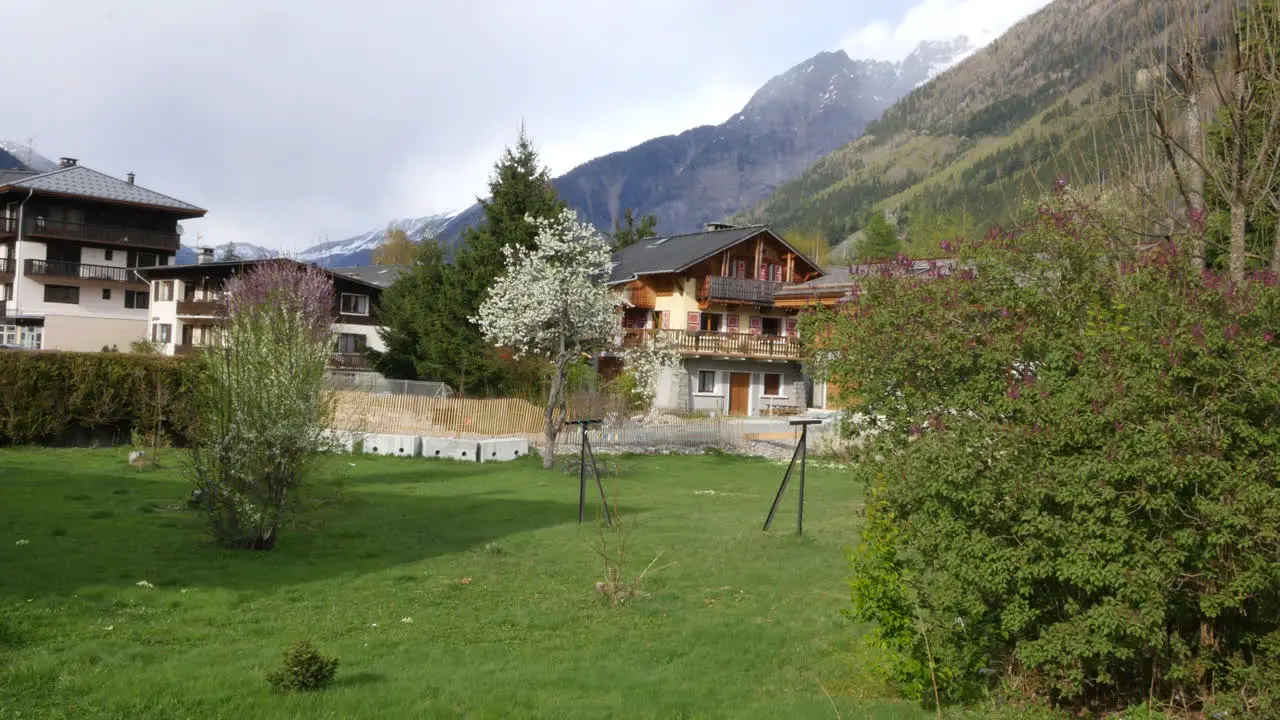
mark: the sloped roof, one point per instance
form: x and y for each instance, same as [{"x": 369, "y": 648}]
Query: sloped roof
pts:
[
  {"x": 674, "y": 253},
  {"x": 84, "y": 182},
  {"x": 843, "y": 280},
  {"x": 380, "y": 275},
  {"x": 227, "y": 267}
]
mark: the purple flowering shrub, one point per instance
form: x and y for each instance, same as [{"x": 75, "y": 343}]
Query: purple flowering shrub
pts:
[{"x": 1074, "y": 482}]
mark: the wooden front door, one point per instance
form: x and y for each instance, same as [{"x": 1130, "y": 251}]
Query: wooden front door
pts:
[{"x": 739, "y": 393}]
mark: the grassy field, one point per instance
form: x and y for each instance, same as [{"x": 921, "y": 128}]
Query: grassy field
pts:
[{"x": 446, "y": 589}]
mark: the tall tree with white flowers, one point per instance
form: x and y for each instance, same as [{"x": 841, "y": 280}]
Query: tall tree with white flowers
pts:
[{"x": 552, "y": 302}]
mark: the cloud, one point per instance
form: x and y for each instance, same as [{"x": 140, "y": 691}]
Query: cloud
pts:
[{"x": 981, "y": 20}]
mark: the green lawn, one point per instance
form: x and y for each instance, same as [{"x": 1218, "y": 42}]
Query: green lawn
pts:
[{"x": 744, "y": 624}]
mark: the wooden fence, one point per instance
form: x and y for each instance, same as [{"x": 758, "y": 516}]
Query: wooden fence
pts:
[{"x": 416, "y": 415}]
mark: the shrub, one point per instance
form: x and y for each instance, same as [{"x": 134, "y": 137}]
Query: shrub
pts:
[
  {"x": 44, "y": 396},
  {"x": 1073, "y": 480},
  {"x": 302, "y": 668},
  {"x": 263, "y": 408}
]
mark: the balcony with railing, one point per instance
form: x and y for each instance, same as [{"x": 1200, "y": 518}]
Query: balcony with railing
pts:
[
  {"x": 732, "y": 289},
  {"x": 350, "y": 361},
  {"x": 42, "y": 228},
  {"x": 6, "y": 268},
  {"x": 82, "y": 271},
  {"x": 199, "y": 308},
  {"x": 718, "y": 344}
]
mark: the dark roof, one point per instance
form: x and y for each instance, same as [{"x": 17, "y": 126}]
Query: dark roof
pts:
[
  {"x": 674, "y": 253},
  {"x": 84, "y": 182},
  {"x": 226, "y": 267},
  {"x": 14, "y": 175},
  {"x": 380, "y": 275}
]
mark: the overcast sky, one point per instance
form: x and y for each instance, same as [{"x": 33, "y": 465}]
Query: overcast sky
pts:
[{"x": 291, "y": 121}]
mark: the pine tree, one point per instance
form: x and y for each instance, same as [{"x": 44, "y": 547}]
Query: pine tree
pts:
[
  {"x": 626, "y": 232},
  {"x": 431, "y": 314},
  {"x": 405, "y": 308},
  {"x": 880, "y": 240}
]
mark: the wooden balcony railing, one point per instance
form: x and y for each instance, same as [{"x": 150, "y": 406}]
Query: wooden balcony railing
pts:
[
  {"x": 714, "y": 287},
  {"x": 350, "y": 361},
  {"x": 722, "y": 344},
  {"x": 200, "y": 308},
  {"x": 88, "y": 232},
  {"x": 82, "y": 271}
]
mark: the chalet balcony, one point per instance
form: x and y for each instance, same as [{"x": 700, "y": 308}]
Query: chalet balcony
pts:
[
  {"x": 350, "y": 361},
  {"x": 44, "y": 228},
  {"x": 186, "y": 349},
  {"x": 199, "y": 308},
  {"x": 717, "y": 344},
  {"x": 731, "y": 289},
  {"x": 6, "y": 268},
  {"x": 81, "y": 271}
]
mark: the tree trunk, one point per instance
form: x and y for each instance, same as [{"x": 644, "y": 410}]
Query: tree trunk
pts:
[
  {"x": 1195, "y": 176},
  {"x": 556, "y": 410},
  {"x": 1239, "y": 215}
]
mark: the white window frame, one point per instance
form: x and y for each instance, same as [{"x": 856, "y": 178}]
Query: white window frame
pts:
[
  {"x": 342, "y": 302},
  {"x": 782, "y": 386},
  {"x": 164, "y": 291},
  {"x": 715, "y": 384}
]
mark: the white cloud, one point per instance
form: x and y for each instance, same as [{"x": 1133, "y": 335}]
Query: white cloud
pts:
[{"x": 981, "y": 20}]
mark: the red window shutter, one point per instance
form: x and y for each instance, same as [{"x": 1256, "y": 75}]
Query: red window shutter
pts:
[
  {"x": 664, "y": 319},
  {"x": 756, "y": 324},
  {"x": 777, "y": 273},
  {"x": 693, "y": 323},
  {"x": 764, "y": 271},
  {"x": 742, "y": 268},
  {"x": 791, "y": 327},
  {"x": 731, "y": 322}
]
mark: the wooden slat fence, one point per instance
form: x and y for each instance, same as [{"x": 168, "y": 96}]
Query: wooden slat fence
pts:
[{"x": 416, "y": 415}]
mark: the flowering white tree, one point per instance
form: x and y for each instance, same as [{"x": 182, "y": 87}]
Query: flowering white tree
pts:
[
  {"x": 646, "y": 361},
  {"x": 552, "y": 302}
]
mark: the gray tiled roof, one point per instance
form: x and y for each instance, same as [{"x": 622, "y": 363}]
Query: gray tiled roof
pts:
[
  {"x": 84, "y": 182},
  {"x": 380, "y": 275},
  {"x": 844, "y": 279},
  {"x": 674, "y": 253}
]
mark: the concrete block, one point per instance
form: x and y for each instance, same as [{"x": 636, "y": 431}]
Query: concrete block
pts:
[
  {"x": 452, "y": 448},
  {"x": 344, "y": 440},
  {"x": 398, "y": 445},
  {"x": 503, "y": 449}
]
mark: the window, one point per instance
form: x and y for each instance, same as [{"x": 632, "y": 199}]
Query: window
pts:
[
  {"x": 106, "y": 293},
  {"x": 144, "y": 259},
  {"x": 8, "y": 334},
  {"x": 163, "y": 290},
  {"x": 771, "y": 326},
  {"x": 162, "y": 332},
  {"x": 706, "y": 381},
  {"x": 772, "y": 385},
  {"x": 711, "y": 322},
  {"x": 6, "y": 292},
  {"x": 355, "y": 304},
  {"x": 108, "y": 255},
  {"x": 68, "y": 294},
  {"x": 31, "y": 337},
  {"x": 136, "y": 300},
  {"x": 352, "y": 343}
]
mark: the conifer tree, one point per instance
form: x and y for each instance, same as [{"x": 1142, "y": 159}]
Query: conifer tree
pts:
[{"x": 627, "y": 232}]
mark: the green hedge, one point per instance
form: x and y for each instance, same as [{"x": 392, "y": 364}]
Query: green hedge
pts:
[{"x": 50, "y": 397}]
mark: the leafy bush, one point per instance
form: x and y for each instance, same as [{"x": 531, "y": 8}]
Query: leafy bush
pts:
[
  {"x": 263, "y": 407},
  {"x": 1074, "y": 482},
  {"x": 44, "y": 396},
  {"x": 302, "y": 668}
]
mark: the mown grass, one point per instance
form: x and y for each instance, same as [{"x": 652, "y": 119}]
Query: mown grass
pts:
[{"x": 744, "y": 624}]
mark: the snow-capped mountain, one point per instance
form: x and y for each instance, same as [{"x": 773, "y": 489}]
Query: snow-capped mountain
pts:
[
  {"x": 17, "y": 156},
  {"x": 244, "y": 251},
  {"x": 358, "y": 250}
]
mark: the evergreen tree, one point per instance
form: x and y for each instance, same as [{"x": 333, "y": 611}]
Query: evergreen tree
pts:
[
  {"x": 880, "y": 240},
  {"x": 429, "y": 319},
  {"x": 229, "y": 253},
  {"x": 627, "y": 233}
]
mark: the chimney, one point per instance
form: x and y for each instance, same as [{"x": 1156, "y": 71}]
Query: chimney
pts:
[
  {"x": 129, "y": 178},
  {"x": 204, "y": 255},
  {"x": 67, "y": 162}
]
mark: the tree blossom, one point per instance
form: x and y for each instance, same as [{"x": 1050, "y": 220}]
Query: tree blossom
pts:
[
  {"x": 647, "y": 360},
  {"x": 552, "y": 302}
]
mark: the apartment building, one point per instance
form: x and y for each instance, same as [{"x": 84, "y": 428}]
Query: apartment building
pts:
[
  {"x": 71, "y": 240},
  {"x": 185, "y": 302},
  {"x": 712, "y": 294}
]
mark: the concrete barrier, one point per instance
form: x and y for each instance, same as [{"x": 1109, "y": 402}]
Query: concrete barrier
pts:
[
  {"x": 451, "y": 448},
  {"x": 398, "y": 445},
  {"x": 503, "y": 449}
]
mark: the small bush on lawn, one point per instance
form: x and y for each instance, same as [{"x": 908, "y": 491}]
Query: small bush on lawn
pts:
[
  {"x": 1075, "y": 480},
  {"x": 302, "y": 668}
]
